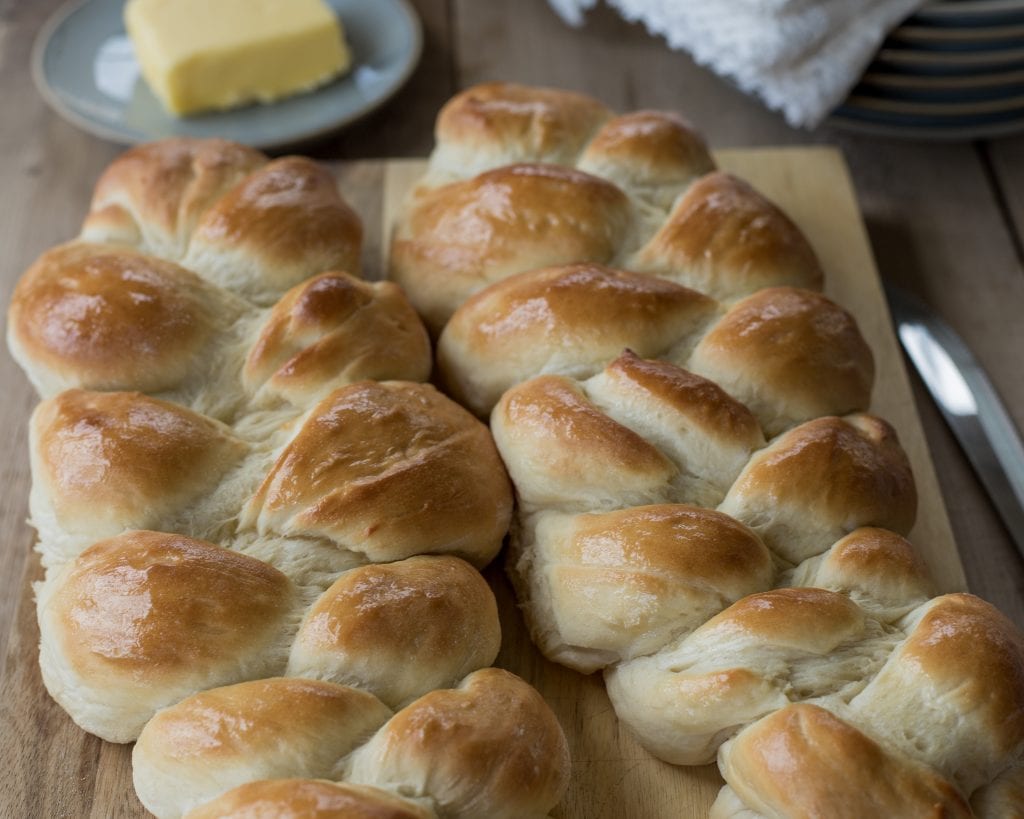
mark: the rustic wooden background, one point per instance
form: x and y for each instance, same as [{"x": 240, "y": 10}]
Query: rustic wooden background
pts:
[{"x": 946, "y": 220}]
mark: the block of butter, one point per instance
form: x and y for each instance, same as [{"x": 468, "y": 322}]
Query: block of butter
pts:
[{"x": 199, "y": 55}]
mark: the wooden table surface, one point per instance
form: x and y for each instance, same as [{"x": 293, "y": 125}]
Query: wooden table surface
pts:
[{"x": 946, "y": 220}]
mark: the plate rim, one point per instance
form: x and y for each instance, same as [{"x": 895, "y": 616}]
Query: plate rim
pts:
[
  {"x": 946, "y": 9},
  {"x": 927, "y": 133},
  {"x": 126, "y": 137}
]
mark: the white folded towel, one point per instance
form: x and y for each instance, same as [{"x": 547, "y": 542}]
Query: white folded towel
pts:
[{"x": 801, "y": 57}]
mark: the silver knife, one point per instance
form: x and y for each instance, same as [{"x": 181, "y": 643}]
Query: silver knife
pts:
[{"x": 968, "y": 402}]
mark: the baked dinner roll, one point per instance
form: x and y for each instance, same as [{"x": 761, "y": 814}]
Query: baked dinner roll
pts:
[
  {"x": 639, "y": 432},
  {"x": 878, "y": 569},
  {"x": 457, "y": 239},
  {"x": 653, "y": 155},
  {"x": 251, "y": 226},
  {"x": 383, "y": 470},
  {"x": 941, "y": 720},
  {"x": 805, "y": 761},
  {"x": 725, "y": 239},
  {"x": 153, "y": 195},
  {"x": 952, "y": 693},
  {"x": 822, "y": 479},
  {"x": 501, "y": 123},
  {"x": 106, "y": 462},
  {"x": 334, "y": 330},
  {"x": 748, "y": 661},
  {"x": 646, "y": 574},
  {"x": 789, "y": 355},
  {"x": 387, "y": 470},
  {"x": 569, "y": 320},
  {"x": 401, "y": 629},
  {"x": 109, "y": 318},
  {"x": 310, "y": 799},
  {"x": 214, "y": 741},
  {"x": 490, "y": 747},
  {"x": 142, "y": 620},
  {"x": 280, "y": 225}
]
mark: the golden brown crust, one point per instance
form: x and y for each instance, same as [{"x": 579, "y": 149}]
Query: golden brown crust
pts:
[
  {"x": 698, "y": 545},
  {"x": 724, "y": 239},
  {"x": 111, "y": 461},
  {"x": 490, "y": 747},
  {"x": 457, "y": 239},
  {"x": 391, "y": 470},
  {"x": 560, "y": 449},
  {"x": 153, "y": 195},
  {"x": 790, "y": 355},
  {"x": 213, "y": 741},
  {"x": 812, "y": 620},
  {"x": 651, "y": 572},
  {"x": 335, "y": 329},
  {"x": 953, "y": 691},
  {"x": 308, "y": 799},
  {"x": 823, "y": 479},
  {"x": 288, "y": 217},
  {"x": 879, "y": 568},
  {"x": 400, "y": 629},
  {"x": 105, "y": 317},
  {"x": 706, "y": 405},
  {"x": 497, "y": 123},
  {"x": 805, "y": 761},
  {"x": 161, "y": 605},
  {"x": 655, "y": 153},
  {"x": 571, "y": 319}
]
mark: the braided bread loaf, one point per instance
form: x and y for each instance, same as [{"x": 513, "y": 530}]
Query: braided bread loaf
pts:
[
  {"x": 223, "y": 497},
  {"x": 658, "y": 507}
]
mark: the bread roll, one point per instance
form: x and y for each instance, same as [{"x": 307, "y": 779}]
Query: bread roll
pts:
[
  {"x": 646, "y": 573},
  {"x": 490, "y": 747},
  {"x": 219, "y": 739},
  {"x": 106, "y": 462},
  {"x": 248, "y": 225},
  {"x": 401, "y": 629},
  {"x": 822, "y": 479},
  {"x": 748, "y": 661},
  {"x": 804, "y": 761},
  {"x": 142, "y": 620},
  {"x": 387, "y": 470}
]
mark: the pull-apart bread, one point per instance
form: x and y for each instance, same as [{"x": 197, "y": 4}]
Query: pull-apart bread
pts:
[
  {"x": 705, "y": 509},
  {"x": 261, "y": 530}
]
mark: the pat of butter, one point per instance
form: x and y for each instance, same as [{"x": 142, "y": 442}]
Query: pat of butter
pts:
[{"x": 199, "y": 55}]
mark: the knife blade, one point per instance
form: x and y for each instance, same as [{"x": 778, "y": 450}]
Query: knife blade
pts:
[{"x": 969, "y": 404}]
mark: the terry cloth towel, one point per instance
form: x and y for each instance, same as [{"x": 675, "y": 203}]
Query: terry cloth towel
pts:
[{"x": 801, "y": 57}]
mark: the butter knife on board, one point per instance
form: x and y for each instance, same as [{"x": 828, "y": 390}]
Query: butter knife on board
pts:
[{"x": 968, "y": 402}]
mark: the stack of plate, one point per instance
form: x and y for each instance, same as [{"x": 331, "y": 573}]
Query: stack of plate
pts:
[{"x": 954, "y": 70}]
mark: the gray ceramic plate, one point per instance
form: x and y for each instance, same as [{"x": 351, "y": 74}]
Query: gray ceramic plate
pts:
[{"x": 84, "y": 67}]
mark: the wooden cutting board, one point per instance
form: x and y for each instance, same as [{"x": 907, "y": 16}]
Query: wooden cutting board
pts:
[{"x": 54, "y": 769}]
